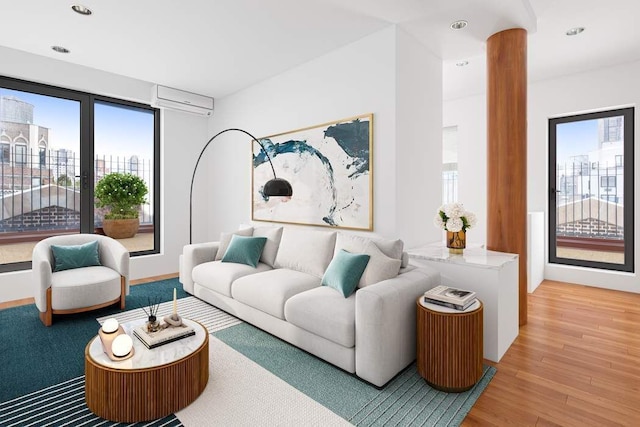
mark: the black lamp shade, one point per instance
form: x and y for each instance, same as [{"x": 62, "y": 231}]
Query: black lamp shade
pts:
[{"x": 277, "y": 187}]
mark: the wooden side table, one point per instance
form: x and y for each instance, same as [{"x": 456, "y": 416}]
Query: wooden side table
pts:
[{"x": 449, "y": 346}]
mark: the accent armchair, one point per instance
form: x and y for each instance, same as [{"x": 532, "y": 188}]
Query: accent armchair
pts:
[{"x": 77, "y": 289}]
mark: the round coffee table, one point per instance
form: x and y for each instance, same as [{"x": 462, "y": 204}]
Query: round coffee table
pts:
[{"x": 150, "y": 385}]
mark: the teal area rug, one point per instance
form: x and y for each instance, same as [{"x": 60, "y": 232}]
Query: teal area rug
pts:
[
  {"x": 406, "y": 400},
  {"x": 35, "y": 356},
  {"x": 42, "y": 370}
]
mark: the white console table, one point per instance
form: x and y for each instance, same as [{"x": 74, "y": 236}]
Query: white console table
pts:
[{"x": 494, "y": 278}]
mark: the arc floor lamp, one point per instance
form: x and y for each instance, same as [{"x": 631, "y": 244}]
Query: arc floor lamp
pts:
[{"x": 276, "y": 187}]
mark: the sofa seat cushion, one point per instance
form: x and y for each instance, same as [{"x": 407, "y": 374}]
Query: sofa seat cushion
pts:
[
  {"x": 325, "y": 312},
  {"x": 84, "y": 287},
  {"x": 268, "y": 291},
  {"x": 218, "y": 276}
]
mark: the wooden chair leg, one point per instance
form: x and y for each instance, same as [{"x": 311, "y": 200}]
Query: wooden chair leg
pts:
[
  {"x": 47, "y": 316},
  {"x": 123, "y": 295}
]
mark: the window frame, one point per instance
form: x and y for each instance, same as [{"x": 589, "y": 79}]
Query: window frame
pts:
[
  {"x": 629, "y": 190},
  {"x": 86, "y": 155}
]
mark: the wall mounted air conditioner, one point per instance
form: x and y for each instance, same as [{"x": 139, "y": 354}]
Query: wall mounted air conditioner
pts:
[{"x": 166, "y": 97}]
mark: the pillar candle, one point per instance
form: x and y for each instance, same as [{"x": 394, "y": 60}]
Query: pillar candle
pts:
[{"x": 175, "y": 303}]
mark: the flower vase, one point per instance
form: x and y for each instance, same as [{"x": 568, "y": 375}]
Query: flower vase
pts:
[{"x": 456, "y": 241}]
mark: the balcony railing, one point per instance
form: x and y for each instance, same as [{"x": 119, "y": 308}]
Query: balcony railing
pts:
[{"x": 41, "y": 193}]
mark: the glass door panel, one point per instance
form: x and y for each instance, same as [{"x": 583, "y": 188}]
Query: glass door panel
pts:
[
  {"x": 590, "y": 220},
  {"x": 39, "y": 166},
  {"x": 124, "y": 142}
]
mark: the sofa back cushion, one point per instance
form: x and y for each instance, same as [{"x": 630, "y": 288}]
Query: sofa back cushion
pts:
[
  {"x": 273, "y": 235},
  {"x": 225, "y": 238},
  {"x": 307, "y": 251},
  {"x": 357, "y": 244},
  {"x": 385, "y": 256}
]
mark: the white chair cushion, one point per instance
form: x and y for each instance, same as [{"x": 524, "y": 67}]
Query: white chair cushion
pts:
[
  {"x": 325, "y": 312},
  {"x": 218, "y": 276},
  {"x": 273, "y": 235},
  {"x": 307, "y": 251},
  {"x": 84, "y": 287},
  {"x": 269, "y": 291}
]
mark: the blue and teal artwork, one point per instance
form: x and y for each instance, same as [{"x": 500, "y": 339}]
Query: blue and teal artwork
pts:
[{"x": 329, "y": 167}]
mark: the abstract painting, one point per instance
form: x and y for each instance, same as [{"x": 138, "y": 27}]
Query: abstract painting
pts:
[{"x": 330, "y": 169}]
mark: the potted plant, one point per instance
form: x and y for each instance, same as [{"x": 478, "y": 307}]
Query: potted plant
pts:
[{"x": 122, "y": 194}]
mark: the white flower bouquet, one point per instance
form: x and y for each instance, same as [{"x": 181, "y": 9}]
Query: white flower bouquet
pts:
[{"x": 453, "y": 217}]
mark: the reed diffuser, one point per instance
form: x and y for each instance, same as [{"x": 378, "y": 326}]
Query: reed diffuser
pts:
[{"x": 152, "y": 323}]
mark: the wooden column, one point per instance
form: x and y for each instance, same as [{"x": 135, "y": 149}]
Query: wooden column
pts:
[{"x": 507, "y": 150}]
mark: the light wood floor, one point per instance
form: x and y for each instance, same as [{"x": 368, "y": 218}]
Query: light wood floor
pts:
[{"x": 576, "y": 362}]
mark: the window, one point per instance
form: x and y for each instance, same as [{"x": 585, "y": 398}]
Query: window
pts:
[
  {"x": 50, "y": 180},
  {"x": 591, "y": 220},
  {"x": 42, "y": 154},
  {"x": 21, "y": 154},
  {"x": 5, "y": 152},
  {"x": 607, "y": 181}
]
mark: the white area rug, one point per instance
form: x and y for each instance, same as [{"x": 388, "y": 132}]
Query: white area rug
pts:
[
  {"x": 211, "y": 317},
  {"x": 242, "y": 393},
  {"x": 239, "y": 392}
]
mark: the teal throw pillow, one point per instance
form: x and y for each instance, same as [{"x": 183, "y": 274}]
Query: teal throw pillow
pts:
[
  {"x": 344, "y": 272},
  {"x": 244, "y": 250},
  {"x": 75, "y": 256}
]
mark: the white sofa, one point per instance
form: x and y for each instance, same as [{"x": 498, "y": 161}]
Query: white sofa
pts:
[{"x": 371, "y": 333}]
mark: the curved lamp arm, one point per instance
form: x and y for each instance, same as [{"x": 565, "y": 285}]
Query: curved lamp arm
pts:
[{"x": 276, "y": 187}]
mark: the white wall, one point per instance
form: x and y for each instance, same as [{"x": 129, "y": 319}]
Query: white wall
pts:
[
  {"x": 418, "y": 141},
  {"x": 372, "y": 75},
  {"x": 182, "y": 137},
  {"x": 595, "y": 90}
]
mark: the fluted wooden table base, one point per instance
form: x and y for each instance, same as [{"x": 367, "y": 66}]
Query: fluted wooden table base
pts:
[
  {"x": 449, "y": 348},
  {"x": 133, "y": 395}
]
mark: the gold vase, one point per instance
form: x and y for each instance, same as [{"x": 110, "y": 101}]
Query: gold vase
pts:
[{"x": 456, "y": 241}]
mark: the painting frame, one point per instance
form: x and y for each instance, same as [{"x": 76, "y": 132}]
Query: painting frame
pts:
[{"x": 330, "y": 167}]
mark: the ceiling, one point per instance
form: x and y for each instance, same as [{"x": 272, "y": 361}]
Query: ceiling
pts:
[{"x": 217, "y": 47}]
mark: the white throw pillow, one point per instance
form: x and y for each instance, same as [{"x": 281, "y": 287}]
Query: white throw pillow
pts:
[
  {"x": 379, "y": 268},
  {"x": 273, "y": 235},
  {"x": 357, "y": 244},
  {"x": 225, "y": 238},
  {"x": 307, "y": 251}
]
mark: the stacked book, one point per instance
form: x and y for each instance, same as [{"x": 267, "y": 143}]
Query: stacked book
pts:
[
  {"x": 457, "y": 299},
  {"x": 163, "y": 336}
]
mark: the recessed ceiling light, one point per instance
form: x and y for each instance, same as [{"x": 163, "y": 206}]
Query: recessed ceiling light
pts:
[
  {"x": 60, "y": 49},
  {"x": 458, "y": 25},
  {"x": 462, "y": 63},
  {"x": 82, "y": 10},
  {"x": 575, "y": 31}
]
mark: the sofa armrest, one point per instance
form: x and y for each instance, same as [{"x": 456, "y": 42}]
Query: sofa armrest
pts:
[
  {"x": 42, "y": 273},
  {"x": 193, "y": 255},
  {"x": 115, "y": 255},
  {"x": 386, "y": 324}
]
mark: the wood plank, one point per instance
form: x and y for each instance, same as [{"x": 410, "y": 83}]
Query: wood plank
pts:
[{"x": 575, "y": 363}]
